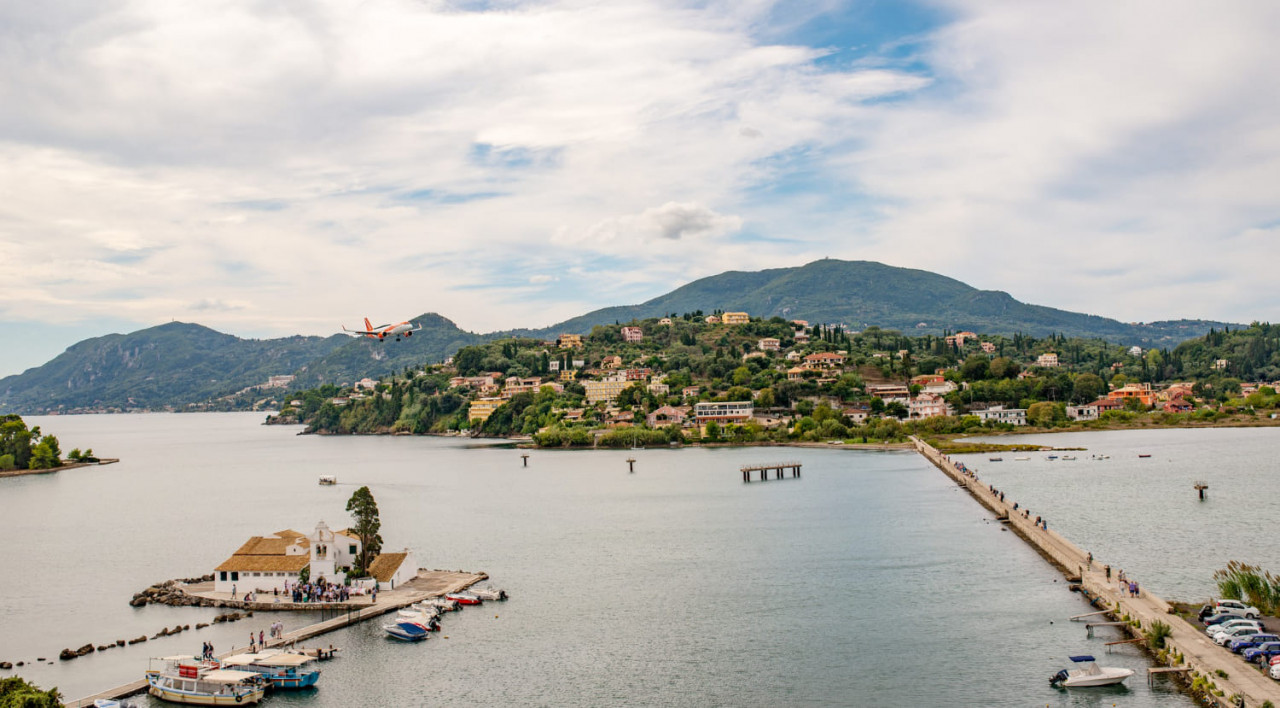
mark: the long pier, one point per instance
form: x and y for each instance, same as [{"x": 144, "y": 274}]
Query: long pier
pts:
[
  {"x": 1240, "y": 683},
  {"x": 455, "y": 582}
]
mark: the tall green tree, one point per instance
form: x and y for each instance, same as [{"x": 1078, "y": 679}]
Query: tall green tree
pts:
[{"x": 364, "y": 510}]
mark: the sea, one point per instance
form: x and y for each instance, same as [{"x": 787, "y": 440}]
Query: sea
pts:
[{"x": 872, "y": 580}]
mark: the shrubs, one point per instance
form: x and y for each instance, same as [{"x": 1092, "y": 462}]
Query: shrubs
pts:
[
  {"x": 1157, "y": 634},
  {"x": 1250, "y": 583}
]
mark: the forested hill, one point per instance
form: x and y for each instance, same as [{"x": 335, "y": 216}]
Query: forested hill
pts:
[
  {"x": 171, "y": 364},
  {"x": 360, "y": 357},
  {"x": 178, "y": 364},
  {"x": 861, "y": 294}
]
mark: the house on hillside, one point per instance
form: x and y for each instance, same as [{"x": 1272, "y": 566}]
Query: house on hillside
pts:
[
  {"x": 1085, "y": 412},
  {"x": 769, "y": 344},
  {"x": 666, "y": 415},
  {"x": 632, "y": 335},
  {"x": 1047, "y": 360},
  {"x": 735, "y": 318},
  {"x": 1000, "y": 414}
]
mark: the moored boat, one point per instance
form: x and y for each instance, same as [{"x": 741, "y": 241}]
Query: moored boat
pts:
[
  {"x": 489, "y": 593},
  {"x": 995, "y": 459},
  {"x": 406, "y": 631},
  {"x": 327, "y": 480},
  {"x": 188, "y": 681},
  {"x": 464, "y": 598},
  {"x": 280, "y": 669},
  {"x": 1090, "y": 675},
  {"x": 439, "y": 603}
]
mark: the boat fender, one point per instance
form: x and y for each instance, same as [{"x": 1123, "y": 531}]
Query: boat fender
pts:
[{"x": 239, "y": 697}]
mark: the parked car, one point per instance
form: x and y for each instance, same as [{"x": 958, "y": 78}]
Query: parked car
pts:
[
  {"x": 1220, "y": 617},
  {"x": 1275, "y": 671},
  {"x": 1229, "y": 624},
  {"x": 1238, "y": 646},
  {"x": 1221, "y": 638},
  {"x": 1236, "y": 606},
  {"x": 1262, "y": 653}
]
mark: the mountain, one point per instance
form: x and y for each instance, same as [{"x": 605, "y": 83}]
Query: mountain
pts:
[
  {"x": 360, "y": 357},
  {"x": 862, "y": 294},
  {"x": 177, "y": 364},
  {"x": 168, "y": 365}
]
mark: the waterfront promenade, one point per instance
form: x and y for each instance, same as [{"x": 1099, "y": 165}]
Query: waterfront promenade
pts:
[
  {"x": 427, "y": 584},
  {"x": 1199, "y": 653}
]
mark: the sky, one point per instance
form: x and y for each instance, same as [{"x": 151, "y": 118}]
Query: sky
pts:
[{"x": 275, "y": 168}]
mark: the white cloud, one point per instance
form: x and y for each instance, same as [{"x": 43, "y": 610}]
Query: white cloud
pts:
[{"x": 156, "y": 156}]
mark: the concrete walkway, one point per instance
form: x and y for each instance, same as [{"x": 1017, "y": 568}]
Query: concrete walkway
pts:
[{"x": 1198, "y": 650}]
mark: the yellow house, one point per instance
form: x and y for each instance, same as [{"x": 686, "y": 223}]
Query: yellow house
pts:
[
  {"x": 482, "y": 408},
  {"x": 570, "y": 341},
  {"x": 735, "y": 318},
  {"x": 604, "y": 390}
]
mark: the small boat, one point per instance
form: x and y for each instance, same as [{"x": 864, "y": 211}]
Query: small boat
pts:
[
  {"x": 280, "y": 669},
  {"x": 187, "y": 680},
  {"x": 1144, "y": 455},
  {"x": 108, "y": 703},
  {"x": 1068, "y": 457},
  {"x": 1021, "y": 459},
  {"x": 439, "y": 603},
  {"x": 464, "y": 598},
  {"x": 995, "y": 459},
  {"x": 1051, "y": 457},
  {"x": 1100, "y": 457},
  {"x": 413, "y": 613},
  {"x": 406, "y": 631},
  {"x": 328, "y": 480},
  {"x": 489, "y": 593},
  {"x": 1090, "y": 675}
]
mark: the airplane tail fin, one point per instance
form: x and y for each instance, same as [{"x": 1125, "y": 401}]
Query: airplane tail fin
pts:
[{"x": 368, "y": 325}]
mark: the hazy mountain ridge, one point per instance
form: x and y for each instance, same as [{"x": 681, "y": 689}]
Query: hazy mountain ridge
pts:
[{"x": 175, "y": 364}]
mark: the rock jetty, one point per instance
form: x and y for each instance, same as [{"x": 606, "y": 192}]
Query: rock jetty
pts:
[{"x": 170, "y": 593}]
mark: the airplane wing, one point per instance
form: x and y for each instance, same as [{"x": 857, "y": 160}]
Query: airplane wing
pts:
[{"x": 358, "y": 332}]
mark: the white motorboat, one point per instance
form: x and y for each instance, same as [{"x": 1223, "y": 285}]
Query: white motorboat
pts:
[
  {"x": 489, "y": 593},
  {"x": 439, "y": 603},
  {"x": 1090, "y": 675},
  {"x": 406, "y": 631}
]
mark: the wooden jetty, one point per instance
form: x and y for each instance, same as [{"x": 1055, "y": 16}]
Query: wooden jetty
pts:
[
  {"x": 779, "y": 468},
  {"x": 352, "y": 616}
]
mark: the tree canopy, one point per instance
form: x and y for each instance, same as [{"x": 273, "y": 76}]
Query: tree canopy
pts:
[{"x": 364, "y": 512}]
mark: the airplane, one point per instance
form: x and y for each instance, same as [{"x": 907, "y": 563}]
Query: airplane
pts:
[{"x": 381, "y": 332}]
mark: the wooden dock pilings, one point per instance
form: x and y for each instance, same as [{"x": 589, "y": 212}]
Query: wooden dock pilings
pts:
[{"x": 778, "y": 467}]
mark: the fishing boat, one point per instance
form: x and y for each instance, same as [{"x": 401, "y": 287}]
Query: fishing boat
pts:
[
  {"x": 406, "y": 631},
  {"x": 464, "y": 598},
  {"x": 328, "y": 480},
  {"x": 280, "y": 669},
  {"x": 1090, "y": 675},
  {"x": 187, "y": 680},
  {"x": 489, "y": 593},
  {"x": 995, "y": 459}
]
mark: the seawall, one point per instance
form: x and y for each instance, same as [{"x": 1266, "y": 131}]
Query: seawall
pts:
[{"x": 1243, "y": 684}]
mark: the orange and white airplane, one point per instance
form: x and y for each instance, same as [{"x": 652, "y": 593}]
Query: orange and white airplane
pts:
[{"x": 381, "y": 332}]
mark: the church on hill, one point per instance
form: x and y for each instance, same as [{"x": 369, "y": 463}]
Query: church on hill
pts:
[{"x": 266, "y": 563}]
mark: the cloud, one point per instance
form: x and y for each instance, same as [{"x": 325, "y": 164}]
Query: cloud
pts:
[
  {"x": 672, "y": 221},
  {"x": 540, "y": 279},
  {"x": 1095, "y": 156}
]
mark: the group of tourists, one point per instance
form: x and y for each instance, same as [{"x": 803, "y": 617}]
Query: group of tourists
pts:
[
  {"x": 206, "y": 651},
  {"x": 319, "y": 591}
]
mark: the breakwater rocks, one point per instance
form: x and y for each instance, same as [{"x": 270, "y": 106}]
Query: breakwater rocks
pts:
[{"x": 169, "y": 593}]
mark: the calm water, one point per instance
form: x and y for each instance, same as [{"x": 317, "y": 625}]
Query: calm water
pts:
[
  {"x": 1143, "y": 514},
  {"x": 871, "y": 581}
]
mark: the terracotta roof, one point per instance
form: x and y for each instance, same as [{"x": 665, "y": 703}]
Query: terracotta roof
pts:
[
  {"x": 386, "y": 565},
  {"x": 291, "y": 535},
  {"x": 259, "y": 546},
  {"x": 270, "y": 563},
  {"x": 348, "y": 533}
]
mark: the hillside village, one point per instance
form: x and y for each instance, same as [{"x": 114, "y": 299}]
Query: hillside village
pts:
[{"x": 730, "y": 377}]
